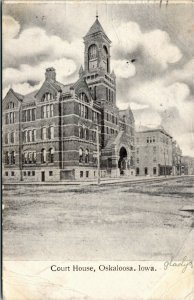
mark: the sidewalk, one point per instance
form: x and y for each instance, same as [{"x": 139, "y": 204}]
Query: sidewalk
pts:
[{"x": 103, "y": 181}]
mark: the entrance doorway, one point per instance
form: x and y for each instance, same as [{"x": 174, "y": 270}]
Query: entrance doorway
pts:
[
  {"x": 146, "y": 171},
  {"x": 122, "y": 163},
  {"x": 42, "y": 176}
]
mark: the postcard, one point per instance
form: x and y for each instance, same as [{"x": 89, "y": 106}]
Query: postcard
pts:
[{"x": 98, "y": 150}]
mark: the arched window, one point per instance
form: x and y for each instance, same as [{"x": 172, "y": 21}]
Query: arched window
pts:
[
  {"x": 51, "y": 155},
  {"x": 87, "y": 156},
  {"x": 105, "y": 59},
  {"x": 80, "y": 155},
  {"x": 25, "y": 158},
  {"x": 83, "y": 97},
  {"x": 92, "y": 52},
  {"x": 43, "y": 156},
  {"x": 30, "y": 157}
]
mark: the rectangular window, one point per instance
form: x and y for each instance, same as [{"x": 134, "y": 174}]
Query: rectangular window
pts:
[
  {"x": 33, "y": 114},
  {"x": 81, "y": 174},
  {"x": 24, "y": 173},
  {"x": 29, "y": 173},
  {"x": 12, "y": 173},
  {"x": 87, "y": 174},
  {"x": 7, "y": 119},
  {"x": 86, "y": 112},
  {"x": 51, "y": 110},
  {"x": 47, "y": 111},
  {"x": 28, "y": 115},
  {"x": 6, "y": 173},
  {"x": 24, "y": 116},
  {"x": 33, "y": 173},
  {"x": 82, "y": 111},
  {"x": 50, "y": 173}
]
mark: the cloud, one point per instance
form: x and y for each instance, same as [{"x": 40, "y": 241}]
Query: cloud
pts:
[
  {"x": 123, "y": 68},
  {"x": 22, "y": 88},
  {"x": 10, "y": 27},
  {"x": 34, "y": 45},
  {"x": 65, "y": 68},
  {"x": 153, "y": 49}
]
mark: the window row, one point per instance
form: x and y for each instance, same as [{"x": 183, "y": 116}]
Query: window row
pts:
[
  {"x": 9, "y": 138},
  {"x": 83, "y": 156},
  {"x": 109, "y": 95},
  {"x": 31, "y": 158},
  {"x": 10, "y": 158},
  {"x": 47, "y": 111},
  {"x": 10, "y": 118},
  {"x": 83, "y": 97},
  {"x": 84, "y": 112},
  {"x": 47, "y": 133},
  {"x": 47, "y": 97},
  {"x": 111, "y": 130},
  {"x": 50, "y": 156},
  {"x": 29, "y": 173},
  {"x": 29, "y": 115},
  {"x": 10, "y": 105},
  {"x": 85, "y": 133},
  {"x": 29, "y": 136},
  {"x": 111, "y": 118},
  {"x": 151, "y": 139}
]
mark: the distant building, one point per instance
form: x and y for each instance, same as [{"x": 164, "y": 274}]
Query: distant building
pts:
[
  {"x": 176, "y": 159},
  {"x": 51, "y": 134},
  {"x": 153, "y": 153},
  {"x": 187, "y": 165}
]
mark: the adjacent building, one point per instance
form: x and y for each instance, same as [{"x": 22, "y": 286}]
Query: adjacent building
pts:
[
  {"x": 176, "y": 159},
  {"x": 56, "y": 133},
  {"x": 153, "y": 153}
]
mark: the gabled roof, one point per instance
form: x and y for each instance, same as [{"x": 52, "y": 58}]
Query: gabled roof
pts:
[
  {"x": 96, "y": 28},
  {"x": 20, "y": 97}
]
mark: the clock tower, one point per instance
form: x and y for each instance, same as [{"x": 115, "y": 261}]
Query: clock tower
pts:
[{"x": 101, "y": 81}]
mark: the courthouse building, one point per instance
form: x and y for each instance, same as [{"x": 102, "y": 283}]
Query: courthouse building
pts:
[
  {"x": 153, "y": 153},
  {"x": 51, "y": 133}
]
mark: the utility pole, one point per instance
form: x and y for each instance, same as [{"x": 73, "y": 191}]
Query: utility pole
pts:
[{"x": 98, "y": 153}]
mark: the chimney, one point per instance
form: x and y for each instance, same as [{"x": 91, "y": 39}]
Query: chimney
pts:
[{"x": 50, "y": 74}]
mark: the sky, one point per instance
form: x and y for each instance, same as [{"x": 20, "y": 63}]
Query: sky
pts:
[{"x": 159, "y": 83}]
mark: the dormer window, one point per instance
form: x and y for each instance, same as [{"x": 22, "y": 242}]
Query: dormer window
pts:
[
  {"x": 83, "y": 97},
  {"x": 47, "y": 97},
  {"x": 11, "y": 105}
]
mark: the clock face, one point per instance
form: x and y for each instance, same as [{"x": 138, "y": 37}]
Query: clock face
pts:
[{"x": 93, "y": 64}]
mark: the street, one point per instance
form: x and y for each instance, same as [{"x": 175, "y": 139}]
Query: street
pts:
[{"x": 142, "y": 221}]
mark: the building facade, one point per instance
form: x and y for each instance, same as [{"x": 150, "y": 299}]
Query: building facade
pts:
[
  {"x": 56, "y": 133},
  {"x": 153, "y": 153},
  {"x": 176, "y": 159}
]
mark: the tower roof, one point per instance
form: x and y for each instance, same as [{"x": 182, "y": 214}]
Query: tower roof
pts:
[{"x": 95, "y": 28}]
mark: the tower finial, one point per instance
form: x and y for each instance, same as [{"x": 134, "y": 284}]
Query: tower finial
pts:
[{"x": 96, "y": 13}]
